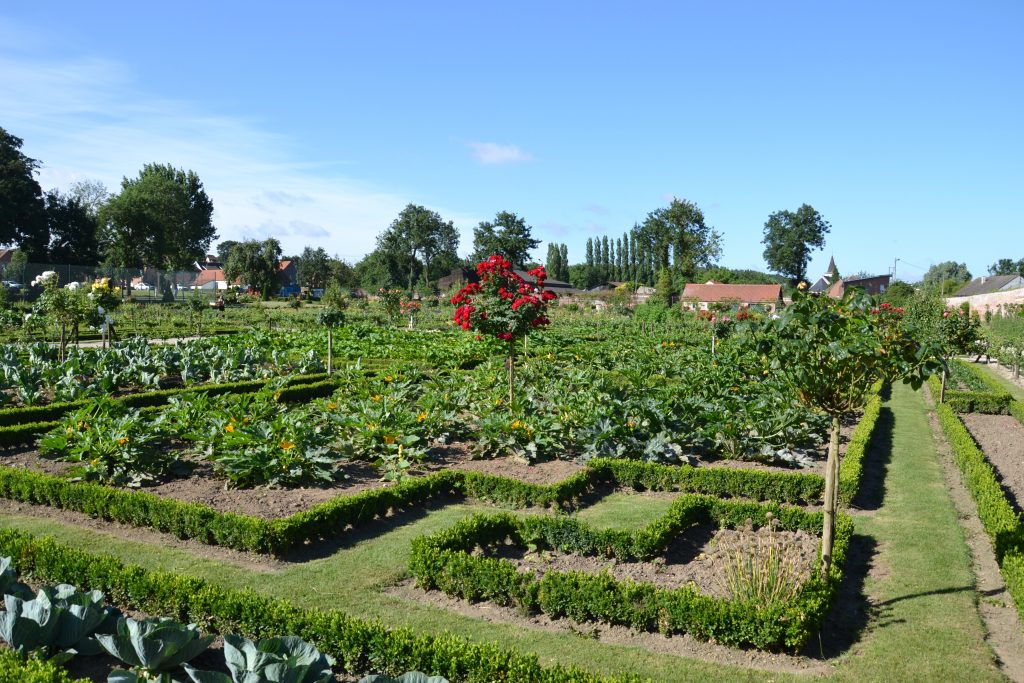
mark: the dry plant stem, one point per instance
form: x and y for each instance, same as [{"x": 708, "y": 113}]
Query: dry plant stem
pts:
[
  {"x": 831, "y": 477},
  {"x": 330, "y": 351},
  {"x": 511, "y": 373}
]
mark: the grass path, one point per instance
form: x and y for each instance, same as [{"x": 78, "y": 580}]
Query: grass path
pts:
[
  {"x": 922, "y": 623},
  {"x": 925, "y": 624},
  {"x": 1014, "y": 389}
]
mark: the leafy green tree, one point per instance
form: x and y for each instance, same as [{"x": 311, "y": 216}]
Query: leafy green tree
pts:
[
  {"x": 342, "y": 274},
  {"x": 92, "y": 194},
  {"x": 257, "y": 265},
  {"x": 737, "y": 276},
  {"x": 898, "y": 293},
  {"x": 789, "y": 238},
  {"x": 832, "y": 352},
  {"x": 1007, "y": 266},
  {"x": 945, "y": 272},
  {"x": 72, "y": 230},
  {"x": 553, "y": 263},
  {"x": 664, "y": 288},
  {"x": 15, "y": 268},
  {"x": 563, "y": 257},
  {"x": 508, "y": 235},
  {"x": 313, "y": 268},
  {"x": 679, "y": 232},
  {"x": 381, "y": 268},
  {"x": 163, "y": 218},
  {"x": 224, "y": 250},
  {"x": 22, "y": 212},
  {"x": 417, "y": 238}
]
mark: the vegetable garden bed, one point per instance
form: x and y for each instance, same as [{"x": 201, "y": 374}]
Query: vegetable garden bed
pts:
[{"x": 461, "y": 561}]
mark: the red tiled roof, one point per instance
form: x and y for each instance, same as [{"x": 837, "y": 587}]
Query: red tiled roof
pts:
[
  {"x": 208, "y": 276},
  {"x": 740, "y": 293},
  {"x": 284, "y": 264}
]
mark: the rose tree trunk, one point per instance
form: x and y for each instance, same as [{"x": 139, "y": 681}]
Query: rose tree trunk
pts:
[{"x": 831, "y": 497}]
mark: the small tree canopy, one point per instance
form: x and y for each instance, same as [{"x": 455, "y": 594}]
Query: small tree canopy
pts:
[{"x": 257, "y": 264}]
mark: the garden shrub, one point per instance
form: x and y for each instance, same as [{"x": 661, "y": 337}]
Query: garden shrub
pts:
[
  {"x": 14, "y": 669},
  {"x": 1002, "y": 523},
  {"x": 1017, "y": 410},
  {"x": 852, "y": 470},
  {"x": 357, "y": 645},
  {"x": 445, "y": 560},
  {"x": 987, "y": 402}
]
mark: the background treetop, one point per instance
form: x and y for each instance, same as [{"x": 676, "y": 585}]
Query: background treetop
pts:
[
  {"x": 507, "y": 235},
  {"x": 789, "y": 239},
  {"x": 162, "y": 218}
]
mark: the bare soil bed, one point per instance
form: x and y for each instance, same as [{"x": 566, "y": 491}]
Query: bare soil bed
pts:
[
  {"x": 701, "y": 556},
  {"x": 1001, "y": 438}
]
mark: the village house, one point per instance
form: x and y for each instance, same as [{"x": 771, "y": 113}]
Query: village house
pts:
[{"x": 702, "y": 297}]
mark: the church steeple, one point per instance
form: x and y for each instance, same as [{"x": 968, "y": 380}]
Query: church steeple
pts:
[{"x": 832, "y": 270}]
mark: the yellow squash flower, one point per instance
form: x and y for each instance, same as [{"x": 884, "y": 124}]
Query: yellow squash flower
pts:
[
  {"x": 229, "y": 428},
  {"x": 287, "y": 445},
  {"x": 421, "y": 417},
  {"x": 389, "y": 439}
]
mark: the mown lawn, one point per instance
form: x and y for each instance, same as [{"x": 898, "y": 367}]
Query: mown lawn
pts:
[{"x": 923, "y": 625}]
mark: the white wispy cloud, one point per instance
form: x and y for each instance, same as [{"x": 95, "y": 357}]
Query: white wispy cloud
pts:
[
  {"x": 494, "y": 154},
  {"x": 89, "y": 118}
]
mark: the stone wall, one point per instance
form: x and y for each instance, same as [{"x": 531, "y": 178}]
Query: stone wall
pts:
[{"x": 988, "y": 302}]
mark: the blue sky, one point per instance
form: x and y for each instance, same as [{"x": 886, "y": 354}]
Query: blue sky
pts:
[{"x": 316, "y": 123}]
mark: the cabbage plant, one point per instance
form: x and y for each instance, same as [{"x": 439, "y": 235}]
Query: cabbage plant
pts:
[
  {"x": 59, "y": 622},
  {"x": 9, "y": 584},
  {"x": 152, "y": 647},
  {"x": 287, "y": 659},
  {"x": 410, "y": 677}
]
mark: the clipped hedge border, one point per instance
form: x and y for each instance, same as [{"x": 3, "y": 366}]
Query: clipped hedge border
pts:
[
  {"x": 1003, "y": 524},
  {"x": 54, "y": 411},
  {"x": 987, "y": 402},
  {"x": 787, "y": 487},
  {"x": 445, "y": 561},
  {"x": 14, "y": 669},
  {"x": 331, "y": 518},
  {"x": 358, "y": 645},
  {"x": 1017, "y": 410},
  {"x": 851, "y": 470}
]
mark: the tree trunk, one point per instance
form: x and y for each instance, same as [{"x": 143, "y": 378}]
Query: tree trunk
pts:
[
  {"x": 330, "y": 351},
  {"x": 942, "y": 390},
  {"x": 63, "y": 341},
  {"x": 831, "y": 496}
]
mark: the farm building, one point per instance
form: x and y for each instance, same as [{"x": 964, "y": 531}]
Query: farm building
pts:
[
  {"x": 990, "y": 293},
  {"x": 702, "y": 297}
]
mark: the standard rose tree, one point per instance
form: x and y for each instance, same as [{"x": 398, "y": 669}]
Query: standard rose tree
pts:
[
  {"x": 831, "y": 352},
  {"x": 503, "y": 305}
]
